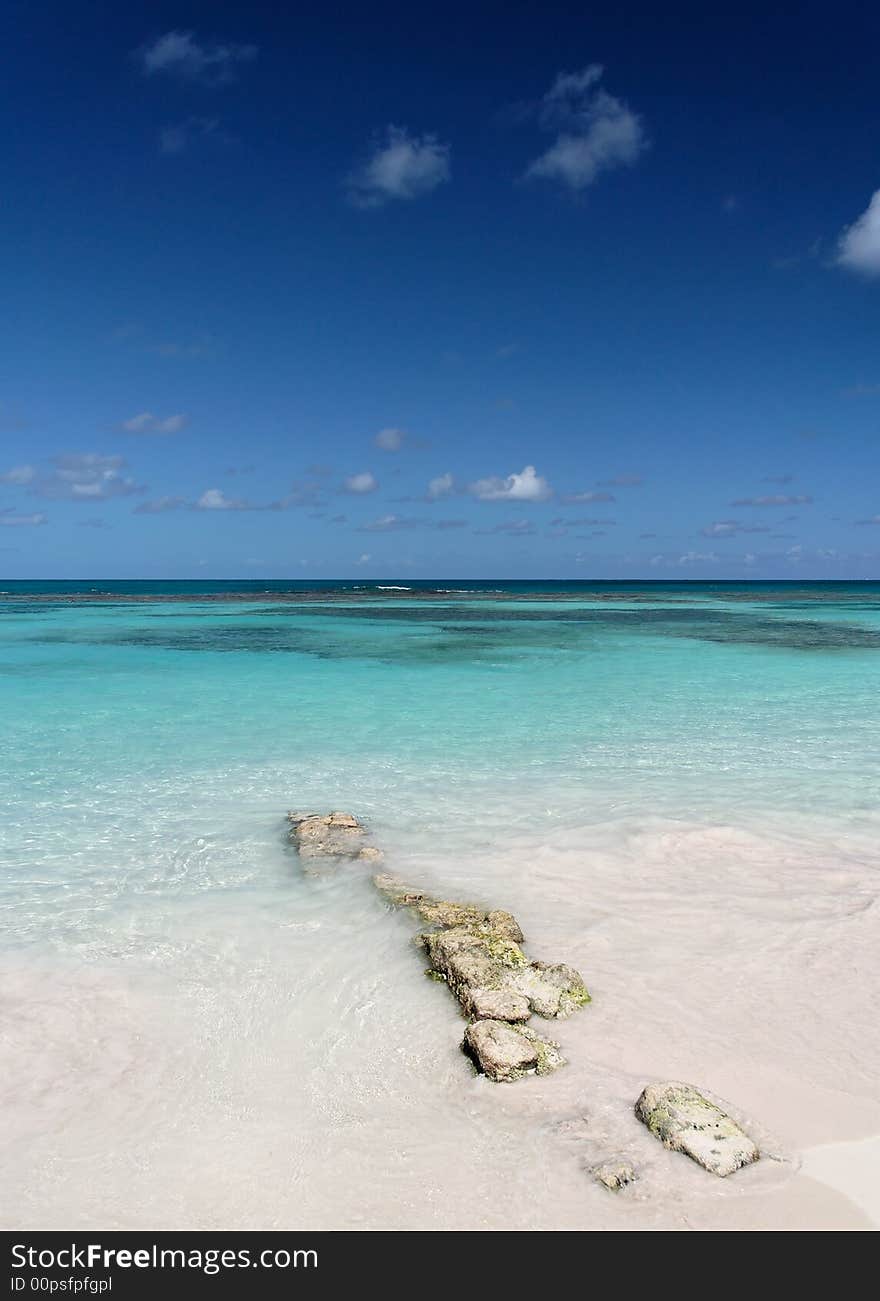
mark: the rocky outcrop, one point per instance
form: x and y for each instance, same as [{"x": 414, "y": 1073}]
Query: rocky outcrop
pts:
[
  {"x": 330, "y": 835},
  {"x": 477, "y": 953},
  {"x": 480, "y": 963},
  {"x": 506, "y": 1052},
  {"x": 685, "y": 1121}
]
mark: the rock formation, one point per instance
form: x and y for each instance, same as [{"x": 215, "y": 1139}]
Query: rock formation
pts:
[
  {"x": 330, "y": 835},
  {"x": 685, "y": 1121},
  {"x": 477, "y": 953},
  {"x": 504, "y": 1052}
]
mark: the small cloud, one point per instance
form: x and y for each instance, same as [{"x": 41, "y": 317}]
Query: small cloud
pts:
[
  {"x": 729, "y": 528},
  {"x": 777, "y": 500},
  {"x": 402, "y": 166},
  {"x": 360, "y": 483},
  {"x": 364, "y": 558},
  {"x": 528, "y": 485},
  {"x": 519, "y": 528},
  {"x": 390, "y": 440},
  {"x": 20, "y": 475},
  {"x": 146, "y": 423},
  {"x": 858, "y": 248},
  {"x": 572, "y": 497},
  {"x": 441, "y": 486},
  {"x": 160, "y": 506},
  {"x": 87, "y": 477},
  {"x": 697, "y": 558},
  {"x": 872, "y": 519},
  {"x": 92, "y": 524},
  {"x": 388, "y": 524},
  {"x": 216, "y": 499},
  {"x": 338, "y": 519},
  {"x": 506, "y": 350},
  {"x": 781, "y": 479},
  {"x": 179, "y": 54},
  {"x": 596, "y": 132},
  {"x": 9, "y": 519},
  {"x": 730, "y": 203}
]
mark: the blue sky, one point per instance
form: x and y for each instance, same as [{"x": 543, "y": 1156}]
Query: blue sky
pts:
[{"x": 495, "y": 290}]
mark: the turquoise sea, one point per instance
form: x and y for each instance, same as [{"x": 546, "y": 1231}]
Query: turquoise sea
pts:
[{"x": 674, "y": 786}]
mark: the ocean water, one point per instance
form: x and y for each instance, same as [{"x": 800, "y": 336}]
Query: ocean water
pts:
[{"x": 673, "y": 786}]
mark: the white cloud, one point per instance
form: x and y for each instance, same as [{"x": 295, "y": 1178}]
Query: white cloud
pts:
[
  {"x": 146, "y": 423},
  {"x": 364, "y": 558},
  {"x": 388, "y": 524},
  {"x": 9, "y": 520},
  {"x": 216, "y": 499},
  {"x": 595, "y": 131},
  {"x": 19, "y": 475},
  {"x": 858, "y": 248},
  {"x": 160, "y": 505},
  {"x": 390, "y": 440},
  {"x": 361, "y": 483},
  {"x": 442, "y": 486},
  {"x": 87, "y": 477},
  {"x": 181, "y": 55},
  {"x": 728, "y": 528},
  {"x": 402, "y": 167},
  {"x": 528, "y": 485},
  {"x": 697, "y": 558},
  {"x": 572, "y": 497}
]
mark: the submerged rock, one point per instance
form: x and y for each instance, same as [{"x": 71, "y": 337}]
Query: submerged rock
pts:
[
  {"x": 506, "y": 1052},
  {"x": 685, "y": 1121},
  {"x": 447, "y": 912},
  {"x": 330, "y": 835},
  {"x": 395, "y": 890},
  {"x": 615, "y": 1176},
  {"x": 371, "y": 854}
]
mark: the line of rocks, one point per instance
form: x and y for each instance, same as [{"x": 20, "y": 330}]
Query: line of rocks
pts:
[{"x": 478, "y": 954}]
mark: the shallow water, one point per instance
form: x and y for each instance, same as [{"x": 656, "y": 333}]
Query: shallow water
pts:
[{"x": 673, "y": 787}]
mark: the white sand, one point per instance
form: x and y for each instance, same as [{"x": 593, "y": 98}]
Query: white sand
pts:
[{"x": 273, "y": 1057}]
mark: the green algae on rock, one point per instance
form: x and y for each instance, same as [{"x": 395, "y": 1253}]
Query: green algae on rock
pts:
[
  {"x": 476, "y": 961},
  {"x": 685, "y": 1121},
  {"x": 505, "y": 1052},
  {"x": 477, "y": 953}
]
